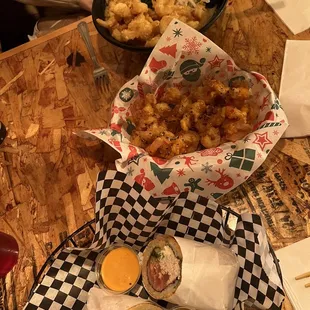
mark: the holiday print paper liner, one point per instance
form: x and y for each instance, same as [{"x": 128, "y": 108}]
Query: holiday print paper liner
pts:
[
  {"x": 126, "y": 213},
  {"x": 182, "y": 58}
]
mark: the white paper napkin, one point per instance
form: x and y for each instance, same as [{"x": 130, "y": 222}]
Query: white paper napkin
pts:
[
  {"x": 295, "y": 260},
  {"x": 294, "y": 13},
  {"x": 294, "y": 89},
  {"x": 99, "y": 299}
]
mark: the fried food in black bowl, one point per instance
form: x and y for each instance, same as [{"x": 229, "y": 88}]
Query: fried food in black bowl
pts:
[{"x": 137, "y": 25}]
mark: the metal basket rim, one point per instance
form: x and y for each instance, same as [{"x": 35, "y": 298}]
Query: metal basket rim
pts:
[{"x": 89, "y": 224}]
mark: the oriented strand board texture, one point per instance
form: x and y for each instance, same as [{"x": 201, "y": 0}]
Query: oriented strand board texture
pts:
[{"x": 48, "y": 175}]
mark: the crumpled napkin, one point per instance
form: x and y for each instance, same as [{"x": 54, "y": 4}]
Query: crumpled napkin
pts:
[{"x": 99, "y": 299}]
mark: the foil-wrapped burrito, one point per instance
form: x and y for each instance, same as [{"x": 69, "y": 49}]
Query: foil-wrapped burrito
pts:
[
  {"x": 99, "y": 299},
  {"x": 189, "y": 273}
]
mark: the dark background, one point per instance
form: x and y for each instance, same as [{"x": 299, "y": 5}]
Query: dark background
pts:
[{"x": 15, "y": 24}]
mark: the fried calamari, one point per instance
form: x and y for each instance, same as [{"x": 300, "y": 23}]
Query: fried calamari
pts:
[{"x": 210, "y": 115}]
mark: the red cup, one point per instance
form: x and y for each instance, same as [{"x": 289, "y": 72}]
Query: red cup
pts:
[{"x": 8, "y": 253}]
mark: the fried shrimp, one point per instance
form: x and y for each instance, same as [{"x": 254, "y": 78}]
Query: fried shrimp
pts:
[
  {"x": 175, "y": 124},
  {"x": 211, "y": 138},
  {"x": 134, "y": 22},
  {"x": 186, "y": 142}
]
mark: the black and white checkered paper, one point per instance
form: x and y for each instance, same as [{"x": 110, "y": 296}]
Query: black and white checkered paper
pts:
[{"x": 126, "y": 213}]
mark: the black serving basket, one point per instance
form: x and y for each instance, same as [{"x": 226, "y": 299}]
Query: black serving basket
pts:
[
  {"x": 99, "y": 9},
  {"x": 87, "y": 231}
]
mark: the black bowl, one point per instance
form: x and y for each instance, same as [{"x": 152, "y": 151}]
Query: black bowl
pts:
[{"x": 99, "y": 9}]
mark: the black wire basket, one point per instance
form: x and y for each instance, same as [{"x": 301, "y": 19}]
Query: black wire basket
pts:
[{"x": 87, "y": 232}]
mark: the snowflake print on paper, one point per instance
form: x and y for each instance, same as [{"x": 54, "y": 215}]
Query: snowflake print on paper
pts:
[
  {"x": 126, "y": 94},
  {"x": 130, "y": 171},
  {"x": 180, "y": 172},
  {"x": 192, "y": 46},
  {"x": 275, "y": 132},
  {"x": 207, "y": 168},
  {"x": 177, "y": 33},
  {"x": 208, "y": 50},
  {"x": 168, "y": 39}
]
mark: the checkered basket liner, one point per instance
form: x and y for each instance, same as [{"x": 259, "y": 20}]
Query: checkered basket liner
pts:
[{"x": 126, "y": 213}]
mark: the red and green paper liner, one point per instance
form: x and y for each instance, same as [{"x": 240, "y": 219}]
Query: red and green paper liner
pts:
[{"x": 182, "y": 58}]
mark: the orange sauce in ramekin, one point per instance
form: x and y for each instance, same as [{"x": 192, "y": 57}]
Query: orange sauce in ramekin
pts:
[{"x": 120, "y": 269}]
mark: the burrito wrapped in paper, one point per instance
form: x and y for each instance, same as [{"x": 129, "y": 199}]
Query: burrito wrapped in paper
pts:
[
  {"x": 189, "y": 273},
  {"x": 98, "y": 299}
]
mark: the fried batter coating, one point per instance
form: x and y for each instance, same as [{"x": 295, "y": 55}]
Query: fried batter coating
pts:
[
  {"x": 181, "y": 108},
  {"x": 217, "y": 119},
  {"x": 132, "y": 20},
  {"x": 186, "y": 122},
  {"x": 152, "y": 42},
  {"x": 121, "y": 10},
  {"x": 161, "y": 146},
  {"x": 177, "y": 124},
  {"x": 139, "y": 28},
  {"x": 187, "y": 142},
  {"x": 197, "y": 108},
  {"x": 234, "y": 113},
  {"x": 138, "y": 7},
  {"x": 163, "y": 109},
  {"x": 236, "y": 129},
  {"x": 240, "y": 93},
  {"x": 211, "y": 138},
  {"x": 172, "y": 95},
  {"x": 192, "y": 115},
  {"x": 150, "y": 99}
]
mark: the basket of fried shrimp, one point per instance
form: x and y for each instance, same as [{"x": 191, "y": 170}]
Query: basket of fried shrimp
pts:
[
  {"x": 206, "y": 117},
  {"x": 192, "y": 120}
]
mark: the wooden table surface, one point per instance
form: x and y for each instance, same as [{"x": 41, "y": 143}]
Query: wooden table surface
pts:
[{"x": 48, "y": 175}]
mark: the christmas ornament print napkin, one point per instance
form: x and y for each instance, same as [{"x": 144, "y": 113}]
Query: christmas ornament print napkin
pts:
[
  {"x": 295, "y": 260},
  {"x": 294, "y": 13},
  {"x": 182, "y": 58},
  {"x": 294, "y": 89}
]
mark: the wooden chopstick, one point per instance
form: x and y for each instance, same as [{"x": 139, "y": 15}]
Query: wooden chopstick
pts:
[{"x": 302, "y": 276}]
